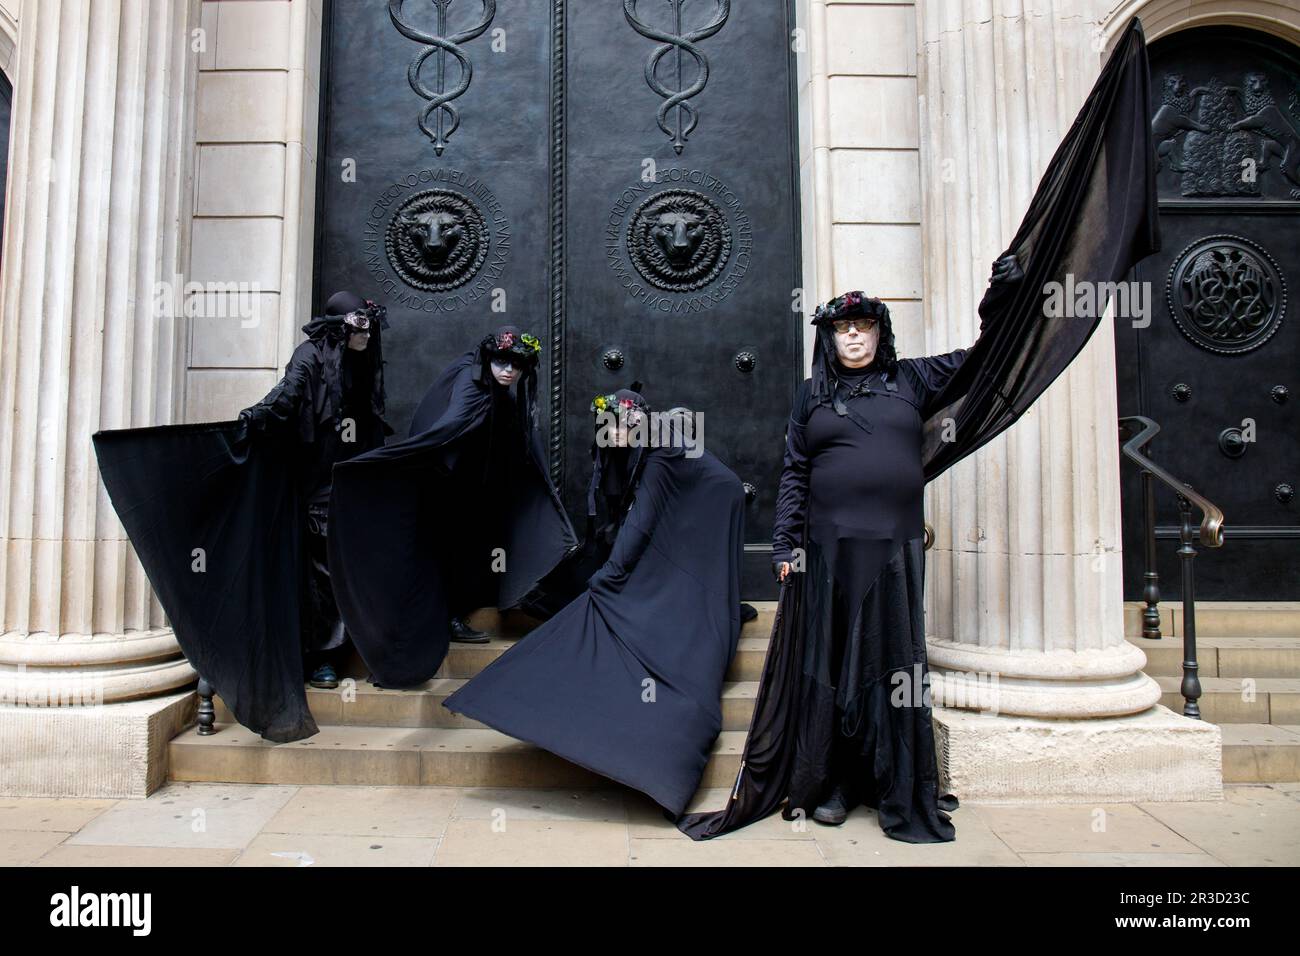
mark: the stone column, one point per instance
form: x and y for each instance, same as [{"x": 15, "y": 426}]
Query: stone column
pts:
[
  {"x": 99, "y": 184},
  {"x": 1024, "y": 597}
]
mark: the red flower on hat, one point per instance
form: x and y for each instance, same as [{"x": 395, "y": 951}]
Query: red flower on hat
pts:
[{"x": 505, "y": 340}]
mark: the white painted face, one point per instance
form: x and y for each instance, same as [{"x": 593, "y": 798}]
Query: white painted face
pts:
[
  {"x": 358, "y": 341},
  {"x": 504, "y": 372},
  {"x": 627, "y": 420},
  {"x": 855, "y": 348}
]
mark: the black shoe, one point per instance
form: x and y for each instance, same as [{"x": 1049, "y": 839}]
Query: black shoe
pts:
[
  {"x": 462, "y": 633},
  {"x": 747, "y": 613},
  {"x": 835, "y": 810},
  {"x": 324, "y": 677}
]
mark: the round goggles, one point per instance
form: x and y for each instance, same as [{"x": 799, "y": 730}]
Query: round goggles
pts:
[{"x": 357, "y": 321}]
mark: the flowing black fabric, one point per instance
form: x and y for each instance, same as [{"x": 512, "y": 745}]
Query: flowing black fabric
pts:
[
  {"x": 615, "y": 472},
  {"x": 626, "y": 680},
  {"x": 851, "y": 620},
  {"x": 414, "y": 525},
  {"x": 178, "y": 488},
  {"x": 238, "y": 493}
]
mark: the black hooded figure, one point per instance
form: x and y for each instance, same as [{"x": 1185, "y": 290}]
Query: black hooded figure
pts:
[
  {"x": 843, "y": 710},
  {"x": 626, "y": 680},
  {"x": 331, "y": 401},
  {"x": 460, "y": 515},
  {"x": 850, "y": 532},
  {"x": 228, "y": 518},
  {"x": 609, "y": 493}
]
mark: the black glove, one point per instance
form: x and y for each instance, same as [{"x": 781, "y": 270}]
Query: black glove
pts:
[
  {"x": 1007, "y": 270},
  {"x": 255, "y": 417}
]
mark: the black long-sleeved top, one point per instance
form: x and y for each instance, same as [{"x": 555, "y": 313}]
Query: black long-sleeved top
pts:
[{"x": 843, "y": 480}]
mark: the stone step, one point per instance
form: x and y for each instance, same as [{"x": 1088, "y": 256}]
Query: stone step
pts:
[
  {"x": 1261, "y": 753},
  {"x": 1238, "y": 700},
  {"x": 1252, "y": 753},
  {"x": 1224, "y": 656},
  {"x": 1221, "y": 618},
  {"x": 383, "y": 756},
  {"x": 364, "y": 705}
]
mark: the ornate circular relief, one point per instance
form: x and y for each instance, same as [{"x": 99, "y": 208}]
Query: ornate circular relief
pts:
[
  {"x": 679, "y": 240},
  {"x": 1226, "y": 294},
  {"x": 437, "y": 240}
]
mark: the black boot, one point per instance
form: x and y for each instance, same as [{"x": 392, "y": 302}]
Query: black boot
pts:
[
  {"x": 747, "y": 613},
  {"x": 835, "y": 809},
  {"x": 462, "y": 633}
]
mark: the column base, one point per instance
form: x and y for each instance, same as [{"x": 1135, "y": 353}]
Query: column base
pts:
[
  {"x": 111, "y": 750},
  {"x": 1156, "y": 755}
]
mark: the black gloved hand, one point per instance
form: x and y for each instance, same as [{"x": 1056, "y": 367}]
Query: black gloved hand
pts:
[
  {"x": 1007, "y": 270},
  {"x": 254, "y": 417}
]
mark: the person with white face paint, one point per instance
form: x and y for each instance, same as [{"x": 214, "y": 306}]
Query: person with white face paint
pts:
[
  {"x": 339, "y": 361},
  {"x": 461, "y": 515},
  {"x": 253, "y": 605},
  {"x": 848, "y": 543},
  {"x": 626, "y": 678}
]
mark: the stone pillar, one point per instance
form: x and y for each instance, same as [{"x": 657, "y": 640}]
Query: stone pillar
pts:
[
  {"x": 99, "y": 178},
  {"x": 1024, "y": 598}
]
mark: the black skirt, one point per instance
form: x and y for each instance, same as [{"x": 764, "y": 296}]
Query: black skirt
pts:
[
  {"x": 844, "y": 698},
  {"x": 864, "y": 714}
]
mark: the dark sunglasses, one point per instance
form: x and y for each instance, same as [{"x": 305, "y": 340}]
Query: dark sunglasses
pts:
[{"x": 863, "y": 323}]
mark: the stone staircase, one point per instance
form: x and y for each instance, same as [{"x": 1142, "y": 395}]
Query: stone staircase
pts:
[
  {"x": 1249, "y": 656},
  {"x": 373, "y": 736}
]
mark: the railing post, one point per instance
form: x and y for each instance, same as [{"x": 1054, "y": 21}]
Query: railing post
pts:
[
  {"x": 1191, "y": 686},
  {"x": 207, "y": 713},
  {"x": 1150, "y": 577}
]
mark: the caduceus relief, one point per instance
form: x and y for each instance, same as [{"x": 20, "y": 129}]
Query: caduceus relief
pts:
[
  {"x": 445, "y": 116},
  {"x": 682, "y": 42}
]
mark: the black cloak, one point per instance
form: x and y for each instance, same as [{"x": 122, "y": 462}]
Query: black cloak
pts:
[
  {"x": 216, "y": 514},
  {"x": 626, "y": 680},
  {"x": 609, "y": 495},
  {"x": 1094, "y": 216},
  {"x": 415, "y": 526}
]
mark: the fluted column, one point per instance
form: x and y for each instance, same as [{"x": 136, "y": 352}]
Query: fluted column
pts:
[
  {"x": 1024, "y": 598},
  {"x": 99, "y": 175}
]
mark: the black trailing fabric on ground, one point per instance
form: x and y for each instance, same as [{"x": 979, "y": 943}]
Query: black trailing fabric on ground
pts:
[
  {"x": 413, "y": 525},
  {"x": 178, "y": 488},
  {"x": 626, "y": 679},
  {"x": 238, "y": 493},
  {"x": 852, "y": 622}
]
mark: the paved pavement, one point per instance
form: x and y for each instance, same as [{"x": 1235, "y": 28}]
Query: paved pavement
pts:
[{"x": 187, "y": 824}]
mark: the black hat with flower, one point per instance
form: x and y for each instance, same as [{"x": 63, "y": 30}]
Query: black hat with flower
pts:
[
  {"x": 625, "y": 399},
  {"x": 509, "y": 344},
  {"x": 345, "y": 314}
]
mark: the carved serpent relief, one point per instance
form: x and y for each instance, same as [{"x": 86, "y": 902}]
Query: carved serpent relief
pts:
[
  {"x": 1226, "y": 294},
  {"x": 685, "y": 117},
  {"x": 437, "y": 240},
  {"x": 440, "y": 44}
]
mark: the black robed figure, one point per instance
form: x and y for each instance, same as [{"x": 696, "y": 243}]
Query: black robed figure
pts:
[
  {"x": 460, "y": 515},
  {"x": 843, "y": 710},
  {"x": 626, "y": 680},
  {"x": 228, "y": 519}
]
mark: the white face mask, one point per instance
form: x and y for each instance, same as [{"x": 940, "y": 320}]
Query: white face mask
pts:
[{"x": 504, "y": 372}]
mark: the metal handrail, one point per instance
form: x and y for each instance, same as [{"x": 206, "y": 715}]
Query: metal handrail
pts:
[
  {"x": 1212, "y": 516},
  {"x": 1211, "y": 536}
]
